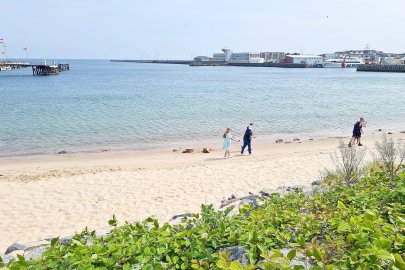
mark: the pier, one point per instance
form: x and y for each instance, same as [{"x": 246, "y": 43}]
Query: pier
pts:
[
  {"x": 381, "y": 68},
  {"x": 174, "y": 62},
  {"x": 220, "y": 63},
  {"x": 37, "y": 69}
]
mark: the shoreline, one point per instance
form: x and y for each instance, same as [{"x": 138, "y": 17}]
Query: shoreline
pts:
[
  {"x": 56, "y": 195},
  {"x": 207, "y": 142}
]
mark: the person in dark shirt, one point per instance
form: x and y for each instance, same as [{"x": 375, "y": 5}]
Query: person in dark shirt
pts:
[
  {"x": 247, "y": 139},
  {"x": 357, "y": 131}
]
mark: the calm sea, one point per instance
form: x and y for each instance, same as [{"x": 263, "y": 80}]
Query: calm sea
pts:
[{"x": 100, "y": 105}]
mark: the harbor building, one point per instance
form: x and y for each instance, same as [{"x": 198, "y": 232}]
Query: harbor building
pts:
[
  {"x": 303, "y": 59},
  {"x": 241, "y": 57},
  {"x": 272, "y": 57},
  {"x": 246, "y": 57},
  {"x": 202, "y": 59},
  {"x": 225, "y": 56}
]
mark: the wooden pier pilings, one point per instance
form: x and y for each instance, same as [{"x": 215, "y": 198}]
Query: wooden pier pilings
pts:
[{"x": 381, "y": 68}]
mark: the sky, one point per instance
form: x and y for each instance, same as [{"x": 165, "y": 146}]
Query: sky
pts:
[{"x": 181, "y": 29}]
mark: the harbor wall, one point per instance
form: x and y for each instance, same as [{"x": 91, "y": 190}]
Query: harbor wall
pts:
[
  {"x": 179, "y": 62},
  {"x": 381, "y": 68}
]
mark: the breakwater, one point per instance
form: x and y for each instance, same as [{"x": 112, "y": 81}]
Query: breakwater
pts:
[
  {"x": 381, "y": 68},
  {"x": 175, "y": 62},
  {"x": 220, "y": 63}
]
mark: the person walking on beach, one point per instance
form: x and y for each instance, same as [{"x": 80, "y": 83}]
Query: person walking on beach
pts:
[
  {"x": 357, "y": 131},
  {"x": 247, "y": 139},
  {"x": 227, "y": 142}
]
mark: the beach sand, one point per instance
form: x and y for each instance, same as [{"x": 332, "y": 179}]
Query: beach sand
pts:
[{"x": 49, "y": 196}]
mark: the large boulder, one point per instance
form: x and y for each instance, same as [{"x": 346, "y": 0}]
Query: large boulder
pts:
[
  {"x": 14, "y": 247},
  {"x": 236, "y": 253},
  {"x": 34, "y": 253}
]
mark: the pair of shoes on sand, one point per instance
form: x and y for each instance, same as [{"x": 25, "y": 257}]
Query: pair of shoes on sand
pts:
[{"x": 350, "y": 145}]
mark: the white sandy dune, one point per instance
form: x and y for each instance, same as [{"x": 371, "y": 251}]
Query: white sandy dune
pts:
[{"x": 43, "y": 197}]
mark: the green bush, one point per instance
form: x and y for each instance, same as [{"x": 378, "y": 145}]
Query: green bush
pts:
[{"x": 359, "y": 226}]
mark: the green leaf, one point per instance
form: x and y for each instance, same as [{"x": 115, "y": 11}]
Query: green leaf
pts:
[
  {"x": 54, "y": 241},
  {"x": 399, "y": 262},
  {"x": 291, "y": 255},
  {"x": 384, "y": 255},
  {"x": 235, "y": 265},
  {"x": 113, "y": 221},
  {"x": 317, "y": 254},
  {"x": 341, "y": 205},
  {"x": 126, "y": 266}
]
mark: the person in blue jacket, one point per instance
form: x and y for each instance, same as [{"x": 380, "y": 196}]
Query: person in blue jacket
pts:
[
  {"x": 247, "y": 139},
  {"x": 357, "y": 131}
]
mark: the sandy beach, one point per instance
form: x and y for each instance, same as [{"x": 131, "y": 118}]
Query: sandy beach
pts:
[{"x": 49, "y": 196}]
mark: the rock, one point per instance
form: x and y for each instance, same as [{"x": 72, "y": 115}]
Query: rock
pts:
[
  {"x": 252, "y": 200},
  {"x": 13, "y": 255},
  {"x": 390, "y": 133},
  {"x": 62, "y": 152},
  {"x": 246, "y": 199},
  {"x": 279, "y": 141},
  {"x": 206, "y": 150},
  {"x": 175, "y": 150},
  {"x": 299, "y": 259},
  {"x": 34, "y": 253},
  {"x": 232, "y": 197},
  {"x": 380, "y": 129},
  {"x": 236, "y": 253},
  {"x": 318, "y": 189},
  {"x": 181, "y": 216},
  {"x": 296, "y": 140},
  {"x": 188, "y": 151},
  {"x": 402, "y": 131},
  {"x": 288, "y": 142},
  {"x": 267, "y": 192},
  {"x": 288, "y": 189},
  {"x": 311, "y": 139},
  {"x": 65, "y": 240},
  {"x": 14, "y": 247},
  {"x": 316, "y": 183}
]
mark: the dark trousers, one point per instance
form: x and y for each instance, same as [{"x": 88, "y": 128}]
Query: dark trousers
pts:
[{"x": 249, "y": 146}]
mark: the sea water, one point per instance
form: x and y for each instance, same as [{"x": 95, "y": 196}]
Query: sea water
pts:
[{"x": 100, "y": 105}]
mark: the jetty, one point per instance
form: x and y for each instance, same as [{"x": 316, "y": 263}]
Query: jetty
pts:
[
  {"x": 37, "y": 69},
  {"x": 174, "y": 62},
  {"x": 381, "y": 68},
  {"x": 221, "y": 63}
]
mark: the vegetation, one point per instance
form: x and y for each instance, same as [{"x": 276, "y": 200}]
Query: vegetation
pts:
[
  {"x": 352, "y": 223},
  {"x": 358, "y": 226}
]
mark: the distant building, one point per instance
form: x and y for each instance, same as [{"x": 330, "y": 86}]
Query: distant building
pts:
[
  {"x": 225, "y": 56},
  {"x": 242, "y": 57},
  {"x": 330, "y": 56},
  {"x": 246, "y": 57},
  {"x": 368, "y": 55},
  {"x": 303, "y": 59},
  {"x": 272, "y": 57},
  {"x": 202, "y": 59}
]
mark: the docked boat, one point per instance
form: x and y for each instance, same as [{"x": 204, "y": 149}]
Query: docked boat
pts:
[
  {"x": 349, "y": 62},
  {"x": 4, "y": 68}
]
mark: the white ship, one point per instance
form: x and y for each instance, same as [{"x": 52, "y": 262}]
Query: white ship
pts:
[{"x": 349, "y": 62}]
